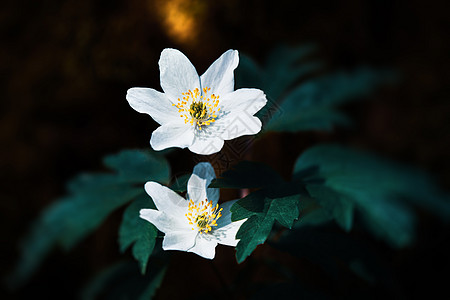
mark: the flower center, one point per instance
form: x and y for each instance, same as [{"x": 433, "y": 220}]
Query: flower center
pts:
[
  {"x": 203, "y": 216},
  {"x": 199, "y": 109}
]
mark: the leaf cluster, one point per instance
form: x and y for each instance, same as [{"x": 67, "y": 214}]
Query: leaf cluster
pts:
[{"x": 91, "y": 198}]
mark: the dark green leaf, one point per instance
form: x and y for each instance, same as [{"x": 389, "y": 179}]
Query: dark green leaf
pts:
[
  {"x": 137, "y": 231},
  {"x": 261, "y": 212},
  {"x": 139, "y": 166},
  {"x": 282, "y": 69},
  {"x": 248, "y": 74},
  {"x": 251, "y": 234},
  {"x": 88, "y": 210},
  {"x": 247, "y": 174},
  {"x": 91, "y": 198},
  {"x": 383, "y": 192},
  {"x": 313, "y": 105},
  {"x": 337, "y": 205}
]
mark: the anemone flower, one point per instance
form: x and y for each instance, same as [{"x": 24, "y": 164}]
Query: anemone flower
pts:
[
  {"x": 195, "y": 224},
  {"x": 198, "y": 112}
]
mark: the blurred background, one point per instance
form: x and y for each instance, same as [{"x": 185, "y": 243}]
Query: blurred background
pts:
[{"x": 66, "y": 67}]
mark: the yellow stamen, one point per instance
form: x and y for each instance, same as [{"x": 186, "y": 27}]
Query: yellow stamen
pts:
[
  {"x": 197, "y": 108},
  {"x": 203, "y": 216}
]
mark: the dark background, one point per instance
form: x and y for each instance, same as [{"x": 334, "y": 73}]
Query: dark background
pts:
[{"x": 66, "y": 67}]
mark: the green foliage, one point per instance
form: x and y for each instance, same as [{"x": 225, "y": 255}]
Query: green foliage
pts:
[
  {"x": 123, "y": 281},
  {"x": 282, "y": 69},
  {"x": 139, "y": 166},
  {"x": 278, "y": 201},
  {"x": 259, "y": 223},
  {"x": 384, "y": 193},
  {"x": 137, "y": 231},
  {"x": 92, "y": 197},
  {"x": 313, "y": 104}
]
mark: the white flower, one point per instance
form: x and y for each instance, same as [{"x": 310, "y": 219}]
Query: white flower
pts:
[
  {"x": 196, "y": 224},
  {"x": 198, "y": 112}
]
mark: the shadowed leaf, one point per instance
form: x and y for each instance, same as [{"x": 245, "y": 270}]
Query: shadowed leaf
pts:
[
  {"x": 91, "y": 198},
  {"x": 384, "y": 193},
  {"x": 313, "y": 105},
  {"x": 138, "y": 232}
]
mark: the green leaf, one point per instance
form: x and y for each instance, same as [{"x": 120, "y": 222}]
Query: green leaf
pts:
[
  {"x": 91, "y": 199},
  {"x": 247, "y": 174},
  {"x": 336, "y": 205},
  {"x": 139, "y": 166},
  {"x": 384, "y": 193},
  {"x": 284, "y": 67},
  {"x": 281, "y": 70},
  {"x": 138, "y": 232},
  {"x": 261, "y": 212},
  {"x": 313, "y": 104},
  {"x": 87, "y": 210},
  {"x": 38, "y": 243}
]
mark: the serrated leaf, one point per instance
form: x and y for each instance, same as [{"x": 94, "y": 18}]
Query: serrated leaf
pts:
[
  {"x": 138, "y": 232},
  {"x": 247, "y": 174},
  {"x": 285, "y": 210},
  {"x": 313, "y": 105},
  {"x": 252, "y": 233},
  {"x": 383, "y": 192},
  {"x": 258, "y": 226}
]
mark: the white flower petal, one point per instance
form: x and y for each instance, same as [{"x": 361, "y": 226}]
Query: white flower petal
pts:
[
  {"x": 226, "y": 235},
  {"x": 219, "y": 76},
  {"x": 225, "y": 232},
  {"x": 177, "y": 73},
  {"x": 172, "y": 135},
  {"x": 204, "y": 246},
  {"x": 206, "y": 145},
  {"x": 163, "y": 221},
  {"x": 152, "y": 102},
  {"x": 225, "y": 219},
  {"x": 248, "y": 101},
  {"x": 236, "y": 125},
  {"x": 201, "y": 177},
  {"x": 167, "y": 201},
  {"x": 179, "y": 240}
]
